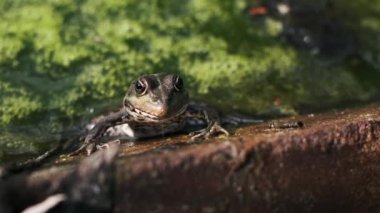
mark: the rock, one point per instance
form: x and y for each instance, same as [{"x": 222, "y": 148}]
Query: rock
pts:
[
  {"x": 331, "y": 163},
  {"x": 87, "y": 187}
]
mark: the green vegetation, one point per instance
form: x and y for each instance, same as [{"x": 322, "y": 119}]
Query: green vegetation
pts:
[{"x": 62, "y": 59}]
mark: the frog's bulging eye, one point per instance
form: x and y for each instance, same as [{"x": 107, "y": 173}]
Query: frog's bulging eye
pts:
[
  {"x": 141, "y": 87},
  {"x": 178, "y": 84}
]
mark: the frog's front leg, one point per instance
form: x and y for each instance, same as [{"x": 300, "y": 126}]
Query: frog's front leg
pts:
[
  {"x": 213, "y": 124},
  {"x": 92, "y": 139}
]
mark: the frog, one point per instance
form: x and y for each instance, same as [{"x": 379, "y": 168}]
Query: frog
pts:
[{"x": 154, "y": 105}]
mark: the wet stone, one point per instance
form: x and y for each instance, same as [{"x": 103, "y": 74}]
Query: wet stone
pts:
[{"x": 330, "y": 163}]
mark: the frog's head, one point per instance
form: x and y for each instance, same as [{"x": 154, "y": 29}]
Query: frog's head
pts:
[{"x": 157, "y": 96}]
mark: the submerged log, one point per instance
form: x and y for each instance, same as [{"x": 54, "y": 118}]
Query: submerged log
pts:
[{"x": 331, "y": 163}]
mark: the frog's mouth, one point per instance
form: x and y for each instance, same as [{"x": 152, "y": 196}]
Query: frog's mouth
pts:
[{"x": 159, "y": 117}]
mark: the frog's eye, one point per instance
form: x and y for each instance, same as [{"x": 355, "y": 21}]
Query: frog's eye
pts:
[
  {"x": 178, "y": 84},
  {"x": 141, "y": 87}
]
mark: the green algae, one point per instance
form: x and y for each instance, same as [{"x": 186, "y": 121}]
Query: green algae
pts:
[{"x": 64, "y": 60}]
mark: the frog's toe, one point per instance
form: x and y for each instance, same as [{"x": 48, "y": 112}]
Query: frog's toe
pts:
[
  {"x": 88, "y": 145},
  {"x": 210, "y": 130},
  {"x": 91, "y": 148},
  {"x": 203, "y": 134},
  {"x": 195, "y": 133},
  {"x": 78, "y": 151},
  {"x": 107, "y": 145},
  {"x": 216, "y": 128}
]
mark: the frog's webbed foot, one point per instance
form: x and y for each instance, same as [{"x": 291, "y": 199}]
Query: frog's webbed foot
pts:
[
  {"x": 211, "y": 129},
  {"x": 213, "y": 123},
  {"x": 92, "y": 139},
  {"x": 108, "y": 145},
  {"x": 92, "y": 145},
  {"x": 89, "y": 145}
]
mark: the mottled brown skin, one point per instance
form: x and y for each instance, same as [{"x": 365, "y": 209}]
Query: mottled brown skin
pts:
[{"x": 154, "y": 105}]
